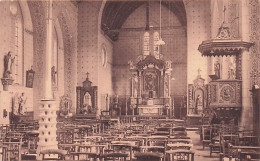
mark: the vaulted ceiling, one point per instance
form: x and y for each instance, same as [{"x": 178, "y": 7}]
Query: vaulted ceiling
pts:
[{"x": 115, "y": 13}]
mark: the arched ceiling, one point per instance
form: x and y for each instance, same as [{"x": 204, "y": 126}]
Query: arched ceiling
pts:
[{"x": 115, "y": 13}]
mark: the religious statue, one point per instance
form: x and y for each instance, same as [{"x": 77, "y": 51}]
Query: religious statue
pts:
[
  {"x": 131, "y": 64},
  {"x": 168, "y": 64},
  {"x": 232, "y": 70},
  {"x": 217, "y": 69},
  {"x": 8, "y": 65},
  {"x": 116, "y": 99},
  {"x": 87, "y": 104},
  {"x": 53, "y": 75},
  {"x": 135, "y": 86},
  {"x": 65, "y": 106},
  {"x": 21, "y": 102},
  {"x": 198, "y": 103}
]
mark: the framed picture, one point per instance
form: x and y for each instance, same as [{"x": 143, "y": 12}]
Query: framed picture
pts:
[{"x": 29, "y": 78}]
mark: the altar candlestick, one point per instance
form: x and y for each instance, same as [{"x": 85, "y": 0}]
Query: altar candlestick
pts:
[{"x": 125, "y": 105}]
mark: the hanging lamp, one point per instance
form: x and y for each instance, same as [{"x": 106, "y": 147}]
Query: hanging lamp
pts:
[{"x": 160, "y": 41}]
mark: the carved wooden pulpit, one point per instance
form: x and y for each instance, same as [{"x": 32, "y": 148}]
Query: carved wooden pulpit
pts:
[{"x": 226, "y": 99}]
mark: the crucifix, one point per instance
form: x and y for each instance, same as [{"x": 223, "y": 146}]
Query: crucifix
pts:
[
  {"x": 87, "y": 74},
  {"x": 224, "y": 13}
]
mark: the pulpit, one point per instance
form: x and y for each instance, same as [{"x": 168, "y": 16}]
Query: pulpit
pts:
[
  {"x": 150, "y": 86},
  {"x": 226, "y": 99}
]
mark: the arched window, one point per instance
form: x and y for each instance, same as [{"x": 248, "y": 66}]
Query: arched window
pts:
[
  {"x": 55, "y": 59},
  {"x": 146, "y": 43},
  {"x": 155, "y": 45},
  {"x": 18, "y": 45}
]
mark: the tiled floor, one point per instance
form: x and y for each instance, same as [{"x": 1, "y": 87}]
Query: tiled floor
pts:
[{"x": 200, "y": 154}]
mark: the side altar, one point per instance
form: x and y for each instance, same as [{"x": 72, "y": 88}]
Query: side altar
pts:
[{"x": 150, "y": 86}]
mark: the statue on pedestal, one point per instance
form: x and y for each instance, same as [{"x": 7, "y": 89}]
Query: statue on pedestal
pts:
[
  {"x": 217, "y": 69},
  {"x": 21, "y": 102},
  {"x": 8, "y": 65},
  {"x": 53, "y": 76},
  {"x": 198, "y": 104},
  {"x": 232, "y": 70},
  {"x": 8, "y": 68}
]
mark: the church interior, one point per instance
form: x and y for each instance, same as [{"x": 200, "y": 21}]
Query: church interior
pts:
[{"x": 130, "y": 80}]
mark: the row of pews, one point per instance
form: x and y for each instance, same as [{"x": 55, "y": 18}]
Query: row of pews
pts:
[
  {"x": 18, "y": 139},
  {"x": 231, "y": 142},
  {"x": 162, "y": 139},
  {"x": 144, "y": 140}
]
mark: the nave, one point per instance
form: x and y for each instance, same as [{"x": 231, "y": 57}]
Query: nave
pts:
[{"x": 129, "y": 80}]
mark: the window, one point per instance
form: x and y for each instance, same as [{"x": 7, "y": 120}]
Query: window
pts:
[
  {"x": 146, "y": 43},
  {"x": 54, "y": 59},
  {"x": 18, "y": 46},
  {"x": 155, "y": 46},
  {"x": 104, "y": 56}
]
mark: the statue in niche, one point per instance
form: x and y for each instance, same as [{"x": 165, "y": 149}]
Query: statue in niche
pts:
[
  {"x": 135, "y": 86},
  {"x": 150, "y": 94},
  {"x": 87, "y": 104},
  {"x": 21, "y": 102},
  {"x": 53, "y": 75},
  {"x": 8, "y": 65},
  {"x": 131, "y": 64},
  {"x": 232, "y": 70},
  {"x": 198, "y": 104},
  {"x": 65, "y": 106},
  {"x": 168, "y": 64},
  {"x": 217, "y": 69}
]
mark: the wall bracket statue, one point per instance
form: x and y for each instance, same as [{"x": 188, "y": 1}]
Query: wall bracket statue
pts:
[{"x": 8, "y": 68}]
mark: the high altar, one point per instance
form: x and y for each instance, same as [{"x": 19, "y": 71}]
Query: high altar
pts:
[{"x": 150, "y": 85}]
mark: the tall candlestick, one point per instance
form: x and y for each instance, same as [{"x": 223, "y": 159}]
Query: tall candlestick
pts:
[{"x": 126, "y": 105}]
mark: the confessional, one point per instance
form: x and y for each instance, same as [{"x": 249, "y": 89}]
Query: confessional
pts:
[{"x": 150, "y": 86}]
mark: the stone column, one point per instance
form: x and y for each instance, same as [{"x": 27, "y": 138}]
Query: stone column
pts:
[
  {"x": 47, "y": 122},
  {"x": 247, "y": 107}
]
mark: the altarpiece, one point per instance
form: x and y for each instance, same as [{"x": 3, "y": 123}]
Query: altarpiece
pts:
[{"x": 150, "y": 86}]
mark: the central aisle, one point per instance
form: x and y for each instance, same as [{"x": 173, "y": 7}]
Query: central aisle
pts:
[{"x": 200, "y": 154}]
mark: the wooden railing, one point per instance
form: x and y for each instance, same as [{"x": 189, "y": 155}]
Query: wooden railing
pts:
[{"x": 136, "y": 118}]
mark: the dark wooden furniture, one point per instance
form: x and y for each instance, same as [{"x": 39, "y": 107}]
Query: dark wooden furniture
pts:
[
  {"x": 151, "y": 156},
  {"x": 150, "y": 86},
  {"x": 48, "y": 154},
  {"x": 256, "y": 108},
  {"x": 86, "y": 98},
  {"x": 180, "y": 154},
  {"x": 206, "y": 135}
]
